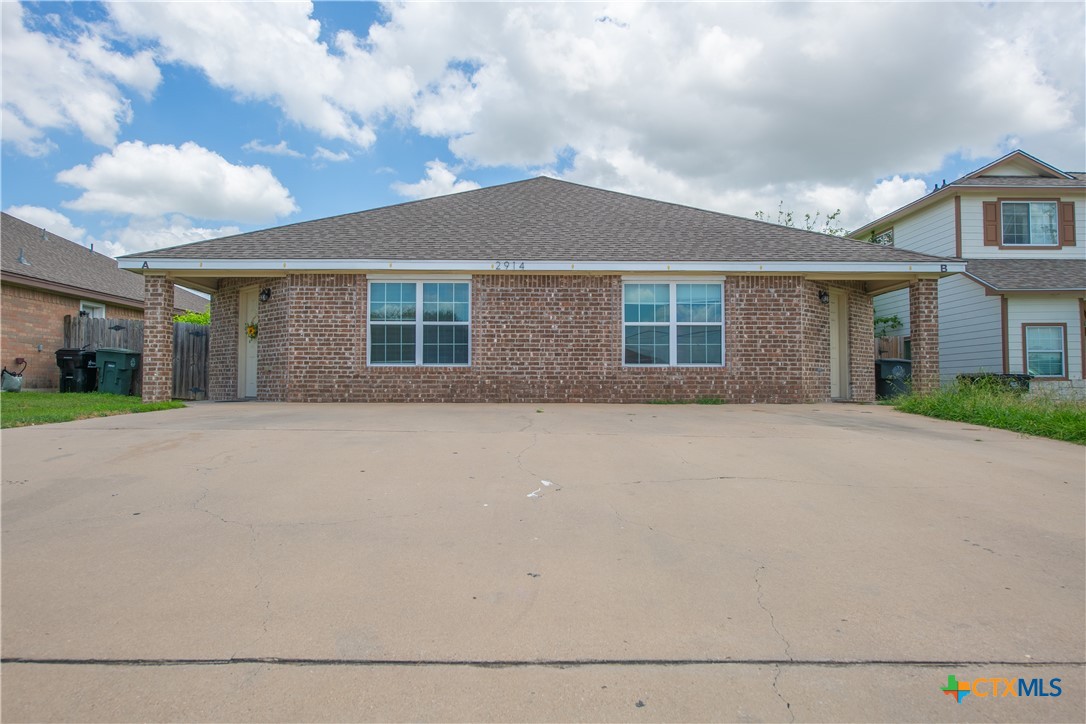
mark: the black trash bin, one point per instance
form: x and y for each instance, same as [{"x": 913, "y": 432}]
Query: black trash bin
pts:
[
  {"x": 115, "y": 369},
  {"x": 78, "y": 370},
  {"x": 892, "y": 376}
]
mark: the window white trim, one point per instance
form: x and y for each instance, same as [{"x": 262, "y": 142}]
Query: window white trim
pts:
[
  {"x": 418, "y": 322},
  {"x": 1060, "y": 349},
  {"x": 94, "y": 310},
  {"x": 1029, "y": 224},
  {"x": 673, "y": 322}
]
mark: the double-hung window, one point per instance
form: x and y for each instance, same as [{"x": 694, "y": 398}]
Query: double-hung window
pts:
[
  {"x": 1030, "y": 223},
  {"x": 673, "y": 323},
  {"x": 420, "y": 323},
  {"x": 1045, "y": 350}
]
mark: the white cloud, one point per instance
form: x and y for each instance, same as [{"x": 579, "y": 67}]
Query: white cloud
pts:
[
  {"x": 150, "y": 180},
  {"x": 48, "y": 219},
  {"x": 439, "y": 181},
  {"x": 144, "y": 234},
  {"x": 272, "y": 52},
  {"x": 737, "y": 106},
  {"x": 733, "y": 106},
  {"x": 279, "y": 149},
  {"x": 891, "y": 194},
  {"x": 323, "y": 154},
  {"x": 58, "y": 82}
]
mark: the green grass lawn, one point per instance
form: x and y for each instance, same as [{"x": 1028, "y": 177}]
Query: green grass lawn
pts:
[
  {"x": 18, "y": 409},
  {"x": 985, "y": 404}
]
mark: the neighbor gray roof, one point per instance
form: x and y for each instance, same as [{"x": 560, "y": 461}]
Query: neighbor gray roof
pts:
[
  {"x": 55, "y": 260},
  {"x": 541, "y": 219},
  {"x": 1008, "y": 275}
]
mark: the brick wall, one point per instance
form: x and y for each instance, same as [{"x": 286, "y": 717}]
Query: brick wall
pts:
[
  {"x": 32, "y": 317},
  {"x": 537, "y": 337},
  {"x": 924, "y": 333},
  {"x": 325, "y": 351},
  {"x": 157, "y": 360},
  {"x": 861, "y": 344},
  {"x": 222, "y": 358}
]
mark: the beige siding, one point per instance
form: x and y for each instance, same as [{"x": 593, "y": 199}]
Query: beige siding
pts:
[
  {"x": 970, "y": 328},
  {"x": 973, "y": 230},
  {"x": 1044, "y": 308},
  {"x": 930, "y": 231}
]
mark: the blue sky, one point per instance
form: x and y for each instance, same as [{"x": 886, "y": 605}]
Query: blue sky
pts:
[{"x": 140, "y": 125}]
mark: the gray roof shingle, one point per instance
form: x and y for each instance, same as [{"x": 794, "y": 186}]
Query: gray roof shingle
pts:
[
  {"x": 540, "y": 219},
  {"x": 1008, "y": 275},
  {"x": 60, "y": 261},
  {"x": 1024, "y": 182}
]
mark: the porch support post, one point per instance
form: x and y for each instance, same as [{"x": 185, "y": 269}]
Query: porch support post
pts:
[
  {"x": 157, "y": 338},
  {"x": 924, "y": 332}
]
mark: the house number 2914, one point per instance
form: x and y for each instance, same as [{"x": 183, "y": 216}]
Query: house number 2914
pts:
[{"x": 508, "y": 265}]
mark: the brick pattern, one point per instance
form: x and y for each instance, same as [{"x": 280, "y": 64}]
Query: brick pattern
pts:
[
  {"x": 538, "y": 338},
  {"x": 815, "y": 337},
  {"x": 32, "y": 317},
  {"x": 924, "y": 332},
  {"x": 325, "y": 350},
  {"x": 222, "y": 358},
  {"x": 157, "y": 360},
  {"x": 861, "y": 344}
]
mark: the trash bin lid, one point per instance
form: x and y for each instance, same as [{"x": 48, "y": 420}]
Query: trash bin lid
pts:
[{"x": 117, "y": 349}]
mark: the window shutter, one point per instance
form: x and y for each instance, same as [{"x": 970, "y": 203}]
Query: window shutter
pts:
[
  {"x": 1067, "y": 223},
  {"x": 991, "y": 223}
]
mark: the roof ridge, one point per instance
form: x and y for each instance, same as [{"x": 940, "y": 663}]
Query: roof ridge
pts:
[{"x": 345, "y": 214}]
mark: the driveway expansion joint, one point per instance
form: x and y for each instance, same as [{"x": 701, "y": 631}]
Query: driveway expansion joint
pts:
[{"x": 527, "y": 663}]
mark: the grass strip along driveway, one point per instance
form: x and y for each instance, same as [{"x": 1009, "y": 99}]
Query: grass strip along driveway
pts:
[
  {"x": 38, "y": 408},
  {"x": 992, "y": 406}
]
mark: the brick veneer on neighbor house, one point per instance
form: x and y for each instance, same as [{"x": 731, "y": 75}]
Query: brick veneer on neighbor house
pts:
[
  {"x": 538, "y": 337},
  {"x": 34, "y": 317},
  {"x": 157, "y": 339}
]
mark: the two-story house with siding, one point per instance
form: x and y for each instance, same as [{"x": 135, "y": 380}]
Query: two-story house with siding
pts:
[{"x": 1020, "y": 306}]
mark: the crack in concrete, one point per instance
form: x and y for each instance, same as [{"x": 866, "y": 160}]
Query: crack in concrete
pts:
[
  {"x": 252, "y": 527},
  {"x": 787, "y": 647},
  {"x": 772, "y": 620},
  {"x": 519, "y": 455},
  {"x": 777, "y": 691}
]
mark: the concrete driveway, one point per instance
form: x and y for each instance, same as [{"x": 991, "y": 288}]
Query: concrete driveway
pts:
[{"x": 257, "y": 561}]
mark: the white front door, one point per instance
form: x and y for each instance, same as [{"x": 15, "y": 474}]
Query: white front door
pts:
[
  {"x": 247, "y": 312},
  {"x": 838, "y": 345}
]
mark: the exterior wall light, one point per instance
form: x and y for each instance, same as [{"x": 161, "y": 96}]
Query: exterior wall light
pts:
[
  {"x": 824, "y": 296},
  {"x": 265, "y": 294}
]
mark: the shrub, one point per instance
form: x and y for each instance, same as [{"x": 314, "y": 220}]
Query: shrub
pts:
[{"x": 192, "y": 317}]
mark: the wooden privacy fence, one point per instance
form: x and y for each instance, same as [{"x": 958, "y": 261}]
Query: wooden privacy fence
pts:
[{"x": 190, "y": 348}]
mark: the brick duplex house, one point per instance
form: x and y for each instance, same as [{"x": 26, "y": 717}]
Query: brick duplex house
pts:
[
  {"x": 539, "y": 290},
  {"x": 45, "y": 277},
  {"x": 1020, "y": 307}
]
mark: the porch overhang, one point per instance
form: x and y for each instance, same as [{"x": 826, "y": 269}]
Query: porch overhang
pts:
[{"x": 204, "y": 274}]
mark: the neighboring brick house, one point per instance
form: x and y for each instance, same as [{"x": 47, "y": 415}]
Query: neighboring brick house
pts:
[
  {"x": 540, "y": 290},
  {"x": 1021, "y": 304},
  {"x": 43, "y": 278}
]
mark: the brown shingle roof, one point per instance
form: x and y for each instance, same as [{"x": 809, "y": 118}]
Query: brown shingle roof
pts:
[
  {"x": 56, "y": 260},
  {"x": 1008, "y": 275},
  {"x": 541, "y": 219}
]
